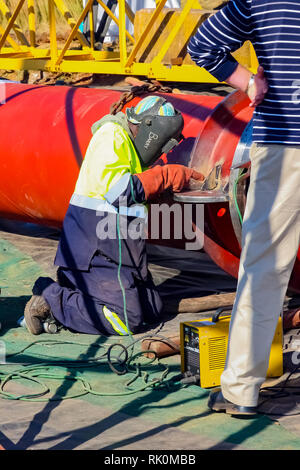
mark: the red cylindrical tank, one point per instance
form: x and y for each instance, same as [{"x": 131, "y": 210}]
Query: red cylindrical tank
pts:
[{"x": 45, "y": 132}]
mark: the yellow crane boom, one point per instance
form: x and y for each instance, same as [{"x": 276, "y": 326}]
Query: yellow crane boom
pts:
[{"x": 157, "y": 48}]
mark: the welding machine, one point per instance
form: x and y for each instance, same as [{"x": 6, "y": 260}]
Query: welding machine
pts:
[{"x": 203, "y": 346}]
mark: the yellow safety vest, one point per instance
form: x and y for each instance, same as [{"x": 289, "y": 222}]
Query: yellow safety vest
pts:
[{"x": 110, "y": 156}]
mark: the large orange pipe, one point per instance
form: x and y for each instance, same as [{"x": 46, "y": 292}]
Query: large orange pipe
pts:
[{"x": 45, "y": 132}]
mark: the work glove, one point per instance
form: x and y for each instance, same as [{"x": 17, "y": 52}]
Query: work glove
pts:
[{"x": 167, "y": 177}]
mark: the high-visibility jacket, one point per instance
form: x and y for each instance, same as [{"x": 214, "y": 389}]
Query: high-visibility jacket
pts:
[
  {"x": 108, "y": 202},
  {"x": 105, "y": 176}
]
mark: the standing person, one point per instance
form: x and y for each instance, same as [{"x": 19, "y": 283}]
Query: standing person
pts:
[
  {"x": 270, "y": 232},
  {"x": 104, "y": 286}
]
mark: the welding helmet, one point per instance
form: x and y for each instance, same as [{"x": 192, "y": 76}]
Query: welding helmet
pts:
[{"x": 159, "y": 127}]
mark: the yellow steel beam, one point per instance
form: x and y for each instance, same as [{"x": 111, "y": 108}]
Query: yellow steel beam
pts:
[
  {"x": 129, "y": 12},
  {"x": 91, "y": 22},
  {"x": 122, "y": 32},
  {"x": 74, "y": 31},
  {"x": 158, "y": 59},
  {"x": 7, "y": 14},
  {"x": 31, "y": 22},
  {"x": 143, "y": 36},
  {"x": 13, "y": 44},
  {"x": 52, "y": 26},
  {"x": 67, "y": 15},
  {"x": 17, "y": 55},
  {"x": 11, "y": 23}
]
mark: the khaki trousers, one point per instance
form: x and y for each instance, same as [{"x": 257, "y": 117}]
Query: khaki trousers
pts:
[{"x": 270, "y": 241}]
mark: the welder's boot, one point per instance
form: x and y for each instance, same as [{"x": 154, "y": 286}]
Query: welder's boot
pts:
[{"x": 37, "y": 310}]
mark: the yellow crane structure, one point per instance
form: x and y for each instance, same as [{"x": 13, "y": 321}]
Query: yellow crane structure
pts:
[{"x": 156, "y": 49}]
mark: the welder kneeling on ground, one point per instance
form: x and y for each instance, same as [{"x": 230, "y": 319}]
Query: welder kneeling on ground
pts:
[{"x": 103, "y": 283}]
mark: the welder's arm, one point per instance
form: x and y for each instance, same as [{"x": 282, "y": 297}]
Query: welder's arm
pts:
[
  {"x": 146, "y": 186},
  {"x": 166, "y": 177}
]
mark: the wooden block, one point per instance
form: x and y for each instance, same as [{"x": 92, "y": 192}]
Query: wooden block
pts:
[
  {"x": 162, "y": 347},
  {"x": 199, "y": 304}
]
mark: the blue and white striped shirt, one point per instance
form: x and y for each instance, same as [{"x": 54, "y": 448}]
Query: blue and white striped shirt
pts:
[{"x": 273, "y": 27}]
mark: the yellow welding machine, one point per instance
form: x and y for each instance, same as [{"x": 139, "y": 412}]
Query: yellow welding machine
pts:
[{"x": 203, "y": 350}]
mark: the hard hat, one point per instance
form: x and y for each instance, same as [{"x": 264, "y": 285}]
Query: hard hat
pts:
[
  {"x": 148, "y": 106},
  {"x": 159, "y": 127}
]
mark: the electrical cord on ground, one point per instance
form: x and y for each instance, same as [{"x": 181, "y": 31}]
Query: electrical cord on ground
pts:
[
  {"x": 44, "y": 370},
  {"x": 280, "y": 391},
  {"x": 121, "y": 362}
]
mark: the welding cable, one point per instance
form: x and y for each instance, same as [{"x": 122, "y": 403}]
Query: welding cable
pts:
[
  {"x": 101, "y": 359},
  {"x": 120, "y": 261},
  {"x": 131, "y": 346},
  {"x": 67, "y": 362},
  {"x": 86, "y": 386},
  {"x": 119, "y": 275},
  {"x": 20, "y": 375},
  {"x": 120, "y": 362},
  {"x": 45, "y": 371},
  {"x": 37, "y": 397},
  {"x": 235, "y": 196}
]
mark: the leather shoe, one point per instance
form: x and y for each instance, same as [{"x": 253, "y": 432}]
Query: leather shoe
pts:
[
  {"x": 37, "y": 311},
  {"x": 217, "y": 402}
]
